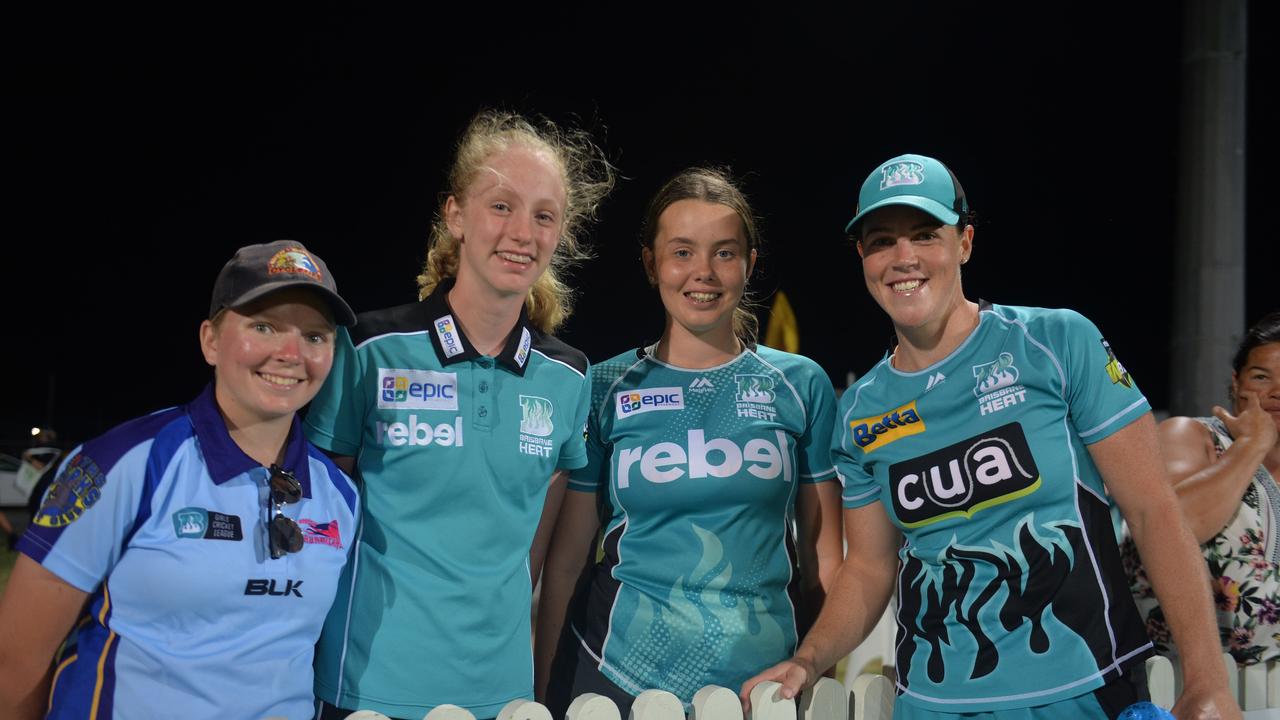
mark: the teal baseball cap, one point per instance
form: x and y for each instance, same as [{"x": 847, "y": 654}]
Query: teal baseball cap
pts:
[{"x": 915, "y": 180}]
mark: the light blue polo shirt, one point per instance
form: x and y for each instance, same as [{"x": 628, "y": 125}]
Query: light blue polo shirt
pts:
[
  {"x": 162, "y": 522},
  {"x": 455, "y": 451},
  {"x": 1010, "y": 590}
]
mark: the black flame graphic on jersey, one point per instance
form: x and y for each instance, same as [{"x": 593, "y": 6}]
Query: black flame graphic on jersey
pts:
[{"x": 1029, "y": 593}]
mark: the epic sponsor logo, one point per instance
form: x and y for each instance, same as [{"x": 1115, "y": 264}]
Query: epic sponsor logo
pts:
[
  {"x": 996, "y": 385},
  {"x": 414, "y": 432},
  {"x": 316, "y": 533},
  {"x": 269, "y": 587},
  {"x": 957, "y": 481},
  {"x": 522, "y": 352},
  {"x": 536, "y": 425},
  {"x": 872, "y": 433},
  {"x": 634, "y": 402},
  {"x": 199, "y": 523},
  {"x": 700, "y": 458},
  {"x": 447, "y": 331},
  {"x": 755, "y": 396},
  {"x": 417, "y": 389},
  {"x": 74, "y": 491},
  {"x": 1116, "y": 371}
]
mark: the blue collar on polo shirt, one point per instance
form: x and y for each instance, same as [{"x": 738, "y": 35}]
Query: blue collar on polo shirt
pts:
[
  {"x": 452, "y": 345},
  {"x": 223, "y": 456}
]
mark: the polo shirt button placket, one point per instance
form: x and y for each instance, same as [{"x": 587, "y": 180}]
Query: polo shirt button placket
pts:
[{"x": 485, "y": 370}]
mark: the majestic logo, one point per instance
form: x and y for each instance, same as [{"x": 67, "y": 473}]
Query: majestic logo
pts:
[
  {"x": 996, "y": 385},
  {"x": 634, "y": 402},
  {"x": 398, "y": 434},
  {"x": 400, "y": 389},
  {"x": 667, "y": 461},
  {"x": 1115, "y": 370},
  {"x": 447, "y": 332},
  {"x": 872, "y": 433},
  {"x": 902, "y": 173},
  {"x": 294, "y": 261},
  {"x": 75, "y": 490},
  {"x": 522, "y": 352},
  {"x": 198, "y": 523},
  {"x": 961, "y": 479},
  {"x": 268, "y": 587},
  {"x": 702, "y": 385},
  {"x": 934, "y": 381},
  {"x": 326, "y": 533}
]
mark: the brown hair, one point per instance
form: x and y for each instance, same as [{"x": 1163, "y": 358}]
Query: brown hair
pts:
[
  {"x": 718, "y": 186},
  {"x": 587, "y": 175}
]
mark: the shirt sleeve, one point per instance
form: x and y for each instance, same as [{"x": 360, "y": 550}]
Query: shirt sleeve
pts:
[
  {"x": 89, "y": 509},
  {"x": 592, "y": 476},
  {"x": 813, "y": 454},
  {"x": 335, "y": 419},
  {"x": 573, "y": 453},
  {"x": 1102, "y": 396},
  {"x": 857, "y": 478}
]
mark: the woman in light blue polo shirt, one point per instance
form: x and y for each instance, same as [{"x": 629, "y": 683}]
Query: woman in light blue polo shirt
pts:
[{"x": 193, "y": 553}]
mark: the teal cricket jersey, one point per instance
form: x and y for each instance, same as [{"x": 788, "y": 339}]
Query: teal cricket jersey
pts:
[
  {"x": 698, "y": 471},
  {"x": 455, "y": 451},
  {"x": 1010, "y": 591}
]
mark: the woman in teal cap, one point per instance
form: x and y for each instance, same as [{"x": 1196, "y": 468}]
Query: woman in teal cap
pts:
[{"x": 982, "y": 449}]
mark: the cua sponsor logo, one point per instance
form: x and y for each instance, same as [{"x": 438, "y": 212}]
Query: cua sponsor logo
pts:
[
  {"x": 959, "y": 480},
  {"x": 872, "y": 433}
]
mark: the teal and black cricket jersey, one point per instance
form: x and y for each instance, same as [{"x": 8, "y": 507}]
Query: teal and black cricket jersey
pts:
[
  {"x": 698, "y": 471},
  {"x": 455, "y": 451},
  {"x": 1010, "y": 590}
]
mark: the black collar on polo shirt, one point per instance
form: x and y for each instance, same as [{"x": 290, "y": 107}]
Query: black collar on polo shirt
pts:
[
  {"x": 223, "y": 456},
  {"x": 452, "y": 345}
]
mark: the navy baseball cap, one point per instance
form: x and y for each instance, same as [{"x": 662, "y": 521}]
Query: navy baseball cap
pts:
[
  {"x": 258, "y": 270},
  {"x": 915, "y": 180}
]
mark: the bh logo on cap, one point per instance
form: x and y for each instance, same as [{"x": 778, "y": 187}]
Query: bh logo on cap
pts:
[
  {"x": 901, "y": 173},
  {"x": 294, "y": 261}
]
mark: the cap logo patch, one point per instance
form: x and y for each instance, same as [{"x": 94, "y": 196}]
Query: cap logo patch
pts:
[
  {"x": 901, "y": 173},
  {"x": 294, "y": 261}
]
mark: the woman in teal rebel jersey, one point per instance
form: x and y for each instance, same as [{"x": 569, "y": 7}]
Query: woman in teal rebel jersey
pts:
[
  {"x": 455, "y": 411},
  {"x": 977, "y": 457},
  {"x": 703, "y": 449}
]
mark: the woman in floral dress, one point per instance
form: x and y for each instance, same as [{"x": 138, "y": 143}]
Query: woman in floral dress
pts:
[{"x": 1224, "y": 470}]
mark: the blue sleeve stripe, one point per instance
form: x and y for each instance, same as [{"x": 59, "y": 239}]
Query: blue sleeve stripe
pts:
[
  {"x": 337, "y": 478},
  {"x": 1105, "y": 423},
  {"x": 168, "y": 442}
]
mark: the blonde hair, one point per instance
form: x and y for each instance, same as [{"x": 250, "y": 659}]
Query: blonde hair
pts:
[
  {"x": 587, "y": 176},
  {"x": 712, "y": 185}
]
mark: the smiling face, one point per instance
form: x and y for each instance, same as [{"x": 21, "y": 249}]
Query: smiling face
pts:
[
  {"x": 700, "y": 263},
  {"x": 911, "y": 263},
  {"x": 508, "y": 223},
  {"x": 1260, "y": 375},
  {"x": 270, "y": 357}
]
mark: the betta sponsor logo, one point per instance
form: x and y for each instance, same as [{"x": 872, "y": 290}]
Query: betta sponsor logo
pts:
[
  {"x": 268, "y": 587},
  {"x": 634, "y": 402},
  {"x": 872, "y": 433},
  {"x": 959, "y": 480},
  {"x": 401, "y": 389},
  {"x": 701, "y": 458},
  {"x": 326, "y": 533}
]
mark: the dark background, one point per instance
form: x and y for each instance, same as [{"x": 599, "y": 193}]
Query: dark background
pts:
[{"x": 146, "y": 144}]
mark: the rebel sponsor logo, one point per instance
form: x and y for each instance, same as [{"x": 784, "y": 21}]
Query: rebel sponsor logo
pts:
[
  {"x": 996, "y": 385},
  {"x": 76, "y": 489},
  {"x": 273, "y": 587},
  {"x": 320, "y": 533},
  {"x": 872, "y": 433},
  {"x": 959, "y": 480},
  {"x": 634, "y": 402},
  {"x": 400, "y": 389},
  {"x": 419, "y": 433},
  {"x": 699, "y": 457},
  {"x": 201, "y": 524}
]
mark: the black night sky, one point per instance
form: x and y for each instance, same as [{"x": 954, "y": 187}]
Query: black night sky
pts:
[{"x": 147, "y": 143}]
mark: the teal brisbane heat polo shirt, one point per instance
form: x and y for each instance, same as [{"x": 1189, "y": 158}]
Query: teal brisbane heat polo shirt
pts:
[{"x": 455, "y": 451}]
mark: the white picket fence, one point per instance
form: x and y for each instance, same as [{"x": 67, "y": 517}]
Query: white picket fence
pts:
[{"x": 868, "y": 697}]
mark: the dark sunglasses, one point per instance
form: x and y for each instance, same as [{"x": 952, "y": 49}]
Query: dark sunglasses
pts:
[{"x": 284, "y": 534}]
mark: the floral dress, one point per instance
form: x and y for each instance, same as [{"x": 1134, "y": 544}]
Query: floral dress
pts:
[{"x": 1244, "y": 567}]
